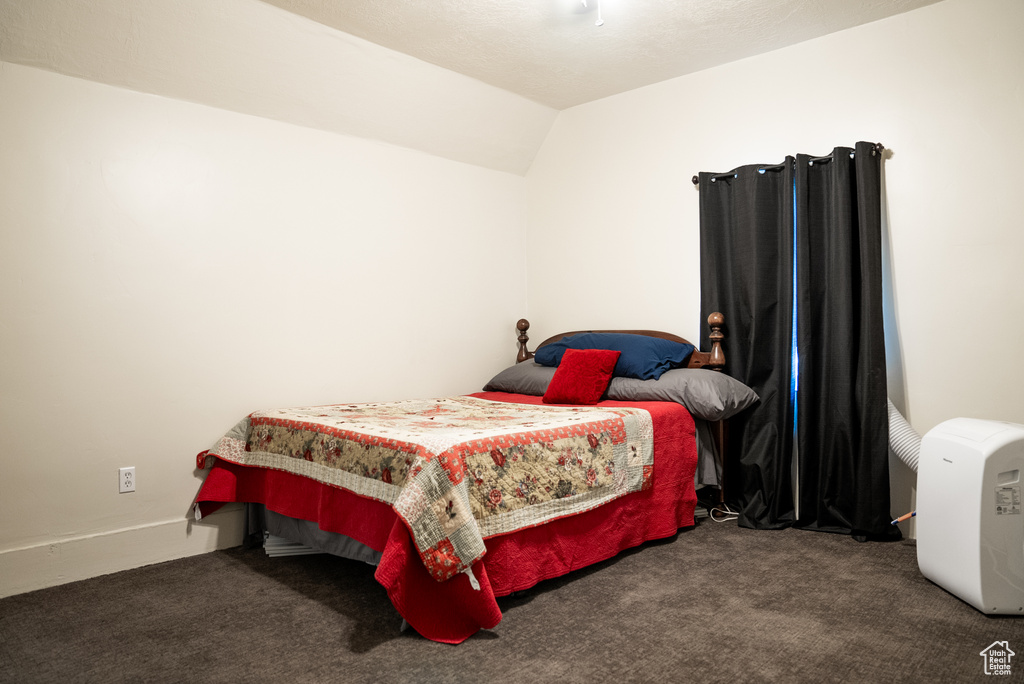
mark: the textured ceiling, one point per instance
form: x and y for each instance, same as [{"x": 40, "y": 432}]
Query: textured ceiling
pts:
[
  {"x": 469, "y": 80},
  {"x": 551, "y": 51}
]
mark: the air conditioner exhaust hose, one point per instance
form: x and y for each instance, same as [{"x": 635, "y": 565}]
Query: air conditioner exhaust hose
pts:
[{"x": 903, "y": 439}]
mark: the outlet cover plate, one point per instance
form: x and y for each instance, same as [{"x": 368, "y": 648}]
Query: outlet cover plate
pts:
[{"x": 126, "y": 480}]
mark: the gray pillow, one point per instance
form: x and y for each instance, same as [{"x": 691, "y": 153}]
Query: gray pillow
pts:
[
  {"x": 706, "y": 394},
  {"x": 527, "y": 377}
]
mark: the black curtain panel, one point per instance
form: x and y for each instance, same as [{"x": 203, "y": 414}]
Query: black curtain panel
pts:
[
  {"x": 792, "y": 255},
  {"x": 746, "y": 251},
  {"x": 842, "y": 418}
]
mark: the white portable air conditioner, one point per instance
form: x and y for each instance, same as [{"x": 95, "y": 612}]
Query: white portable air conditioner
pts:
[{"x": 970, "y": 519}]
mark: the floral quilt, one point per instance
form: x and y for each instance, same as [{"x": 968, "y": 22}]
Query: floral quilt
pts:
[{"x": 458, "y": 469}]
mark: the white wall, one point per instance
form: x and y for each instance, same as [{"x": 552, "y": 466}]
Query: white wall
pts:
[
  {"x": 166, "y": 268},
  {"x": 942, "y": 87}
]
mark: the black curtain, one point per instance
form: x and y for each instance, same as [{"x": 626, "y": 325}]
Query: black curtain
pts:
[
  {"x": 828, "y": 211},
  {"x": 746, "y": 252},
  {"x": 843, "y": 424}
]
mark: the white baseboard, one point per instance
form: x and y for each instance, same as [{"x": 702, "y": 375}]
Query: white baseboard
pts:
[{"x": 69, "y": 560}]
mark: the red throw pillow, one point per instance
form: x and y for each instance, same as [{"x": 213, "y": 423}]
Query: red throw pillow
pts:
[{"x": 582, "y": 376}]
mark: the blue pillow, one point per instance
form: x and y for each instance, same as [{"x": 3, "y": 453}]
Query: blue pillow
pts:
[{"x": 643, "y": 358}]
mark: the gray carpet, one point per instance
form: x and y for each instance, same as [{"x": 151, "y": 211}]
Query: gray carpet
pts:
[{"x": 714, "y": 604}]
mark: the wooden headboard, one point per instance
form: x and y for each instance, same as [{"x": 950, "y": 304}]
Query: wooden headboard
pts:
[{"x": 713, "y": 359}]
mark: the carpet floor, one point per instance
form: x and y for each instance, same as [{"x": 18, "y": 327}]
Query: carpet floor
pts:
[{"x": 715, "y": 603}]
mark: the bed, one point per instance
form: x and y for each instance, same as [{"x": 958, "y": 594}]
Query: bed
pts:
[{"x": 565, "y": 459}]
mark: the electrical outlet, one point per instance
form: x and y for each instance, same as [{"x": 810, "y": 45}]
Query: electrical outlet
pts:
[{"x": 126, "y": 480}]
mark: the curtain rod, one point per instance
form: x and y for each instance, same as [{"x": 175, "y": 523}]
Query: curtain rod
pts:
[{"x": 879, "y": 147}]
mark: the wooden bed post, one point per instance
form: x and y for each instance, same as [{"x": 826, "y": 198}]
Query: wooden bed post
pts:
[
  {"x": 717, "y": 362},
  {"x": 716, "y": 321},
  {"x": 522, "y": 326}
]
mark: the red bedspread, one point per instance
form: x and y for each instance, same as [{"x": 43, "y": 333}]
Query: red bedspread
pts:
[{"x": 452, "y": 610}]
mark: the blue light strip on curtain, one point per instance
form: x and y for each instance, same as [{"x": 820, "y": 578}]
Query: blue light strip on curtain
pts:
[{"x": 794, "y": 376}]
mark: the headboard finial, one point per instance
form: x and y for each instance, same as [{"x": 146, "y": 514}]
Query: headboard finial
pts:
[
  {"x": 717, "y": 360},
  {"x": 522, "y": 326}
]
